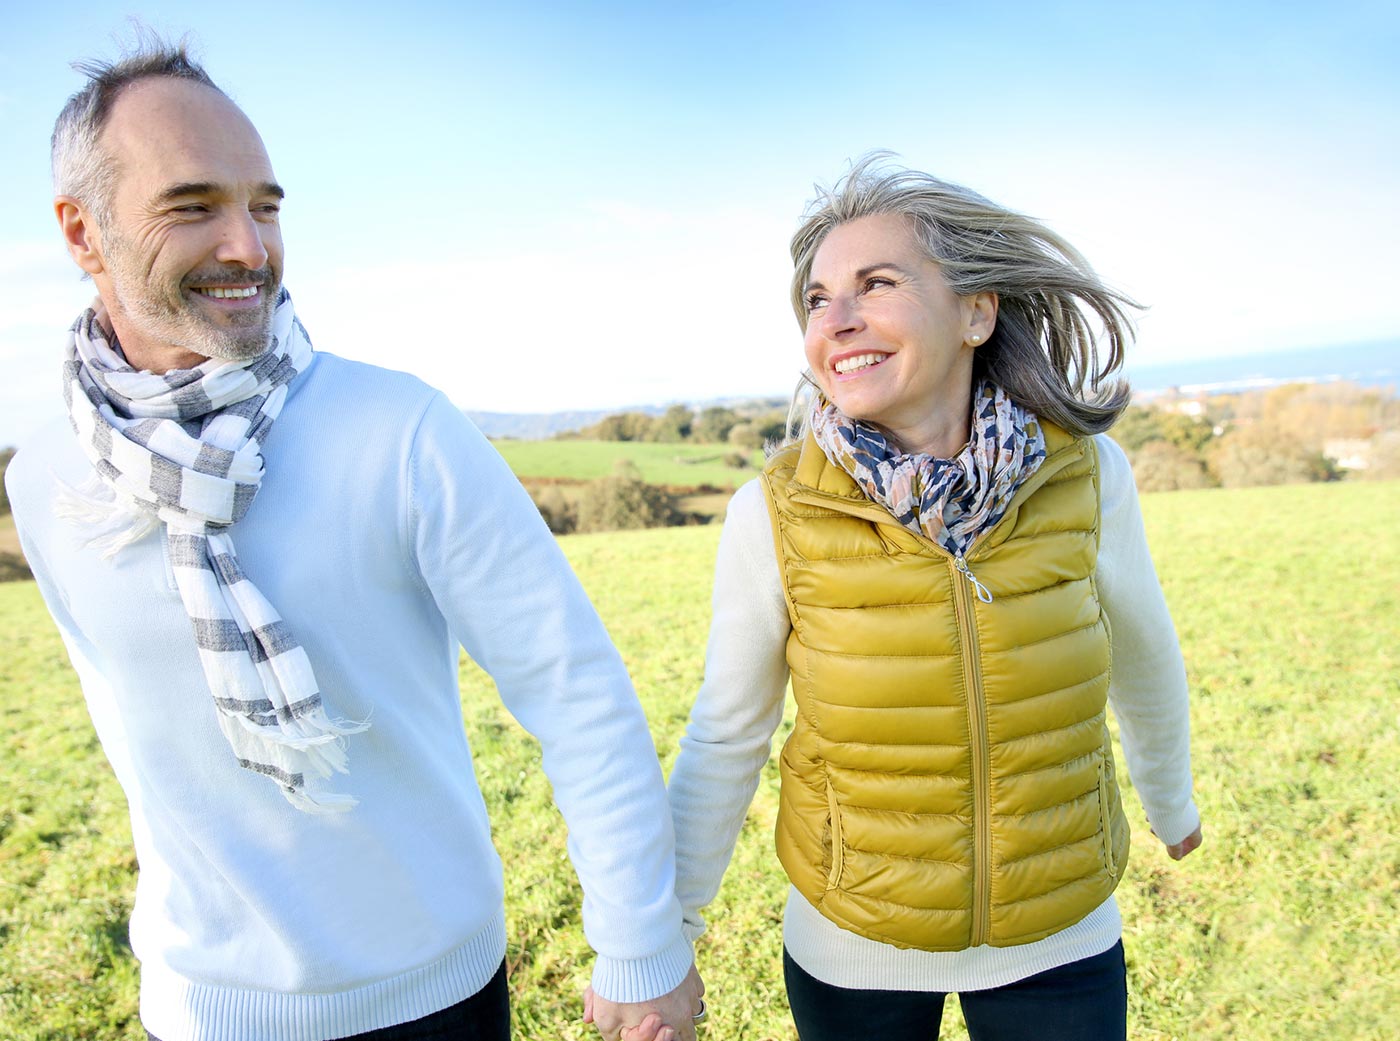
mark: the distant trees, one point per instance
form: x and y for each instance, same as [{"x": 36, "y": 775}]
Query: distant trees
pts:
[
  {"x": 713, "y": 425},
  {"x": 1299, "y": 432},
  {"x": 1161, "y": 466},
  {"x": 1266, "y": 454}
]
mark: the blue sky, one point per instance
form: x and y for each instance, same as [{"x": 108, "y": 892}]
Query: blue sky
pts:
[{"x": 547, "y": 206}]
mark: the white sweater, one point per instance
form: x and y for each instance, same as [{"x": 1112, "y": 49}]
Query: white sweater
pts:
[
  {"x": 740, "y": 706},
  {"x": 387, "y": 531}
]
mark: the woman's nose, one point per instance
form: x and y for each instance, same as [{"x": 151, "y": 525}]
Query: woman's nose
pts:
[{"x": 840, "y": 315}]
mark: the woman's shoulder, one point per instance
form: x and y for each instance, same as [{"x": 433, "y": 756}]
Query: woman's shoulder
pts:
[{"x": 1115, "y": 471}]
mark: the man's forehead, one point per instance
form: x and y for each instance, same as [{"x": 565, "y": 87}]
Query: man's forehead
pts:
[{"x": 180, "y": 130}]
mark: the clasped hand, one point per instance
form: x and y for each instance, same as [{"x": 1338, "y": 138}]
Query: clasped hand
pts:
[{"x": 670, "y": 1017}]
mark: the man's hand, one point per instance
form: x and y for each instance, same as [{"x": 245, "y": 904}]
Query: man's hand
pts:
[
  {"x": 1186, "y": 845},
  {"x": 670, "y": 1017}
]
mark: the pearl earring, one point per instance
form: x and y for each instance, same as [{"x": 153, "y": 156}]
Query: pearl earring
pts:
[{"x": 974, "y": 338}]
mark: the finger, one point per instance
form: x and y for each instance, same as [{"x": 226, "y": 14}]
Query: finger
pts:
[{"x": 588, "y": 1004}]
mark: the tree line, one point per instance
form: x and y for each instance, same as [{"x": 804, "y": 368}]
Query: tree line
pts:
[
  {"x": 715, "y": 425},
  {"x": 1296, "y": 433}
]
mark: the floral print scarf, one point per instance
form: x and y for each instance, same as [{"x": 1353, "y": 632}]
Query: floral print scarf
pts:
[{"x": 951, "y": 501}]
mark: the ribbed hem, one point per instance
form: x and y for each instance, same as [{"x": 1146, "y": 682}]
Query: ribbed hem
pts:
[
  {"x": 1172, "y": 828},
  {"x": 175, "y": 1009},
  {"x": 642, "y": 979},
  {"x": 843, "y": 959}
]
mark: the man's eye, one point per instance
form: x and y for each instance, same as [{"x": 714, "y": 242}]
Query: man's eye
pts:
[{"x": 192, "y": 208}]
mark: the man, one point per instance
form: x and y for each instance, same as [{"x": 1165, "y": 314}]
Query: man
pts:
[{"x": 262, "y": 560}]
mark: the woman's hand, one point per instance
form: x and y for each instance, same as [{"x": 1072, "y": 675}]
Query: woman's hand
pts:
[
  {"x": 1186, "y": 845},
  {"x": 670, "y": 1017}
]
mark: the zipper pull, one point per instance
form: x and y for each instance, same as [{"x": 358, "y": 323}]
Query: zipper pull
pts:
[{"x": 983, "y": 593}]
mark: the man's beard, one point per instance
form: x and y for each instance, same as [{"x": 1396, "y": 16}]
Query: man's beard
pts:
[{"x": 168, "y": 315}]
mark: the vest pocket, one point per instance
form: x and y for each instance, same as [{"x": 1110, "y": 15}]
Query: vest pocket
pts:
[
  {"x": 1106, "y": 819},
  {"x": 833, "y": 878}
]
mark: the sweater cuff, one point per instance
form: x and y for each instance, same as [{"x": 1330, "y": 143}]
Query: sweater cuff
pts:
[
  {"x": 643, "y": 979},
  {"x": 1172, "y": 828}
]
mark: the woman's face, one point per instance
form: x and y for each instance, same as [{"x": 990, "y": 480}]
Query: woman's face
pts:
[{"x": 888, "y": 341}]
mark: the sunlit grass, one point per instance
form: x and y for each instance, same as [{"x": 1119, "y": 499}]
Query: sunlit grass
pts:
[{"x": 1286, "y": 924}]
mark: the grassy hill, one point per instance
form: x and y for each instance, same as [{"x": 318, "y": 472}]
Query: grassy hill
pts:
[
  {"x": 678, "y": 465},
  {"x": 1286, "y": 924}
]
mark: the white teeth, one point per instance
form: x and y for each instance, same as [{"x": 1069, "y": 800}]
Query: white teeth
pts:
[
  {"x": 858, "y": 361},
  {"x": 230, "y": 294}
]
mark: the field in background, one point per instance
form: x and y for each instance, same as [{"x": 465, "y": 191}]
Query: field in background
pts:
[
  {"x": 677, "y": 464},
  {"x": 1285, "y": 924}
]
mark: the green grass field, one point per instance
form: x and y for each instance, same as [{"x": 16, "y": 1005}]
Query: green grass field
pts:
[
  {"x": 683, "y": 465},
  {"x": 1286, "y": 924}
]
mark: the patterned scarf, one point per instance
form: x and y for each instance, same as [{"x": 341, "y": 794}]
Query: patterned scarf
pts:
[
  {"x": 951, "y": 501},
  {"x": 184, "y": 449}
]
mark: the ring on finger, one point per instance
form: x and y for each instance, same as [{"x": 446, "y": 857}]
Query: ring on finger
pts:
[{"x": 703, "y": 1014}]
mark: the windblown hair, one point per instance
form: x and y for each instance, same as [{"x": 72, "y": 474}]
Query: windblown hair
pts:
[
  {"x": 1044, "y": 351},
  {"x": 82, "y": 168}
]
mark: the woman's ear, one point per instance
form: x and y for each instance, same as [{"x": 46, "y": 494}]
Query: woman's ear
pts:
[
  {"x": 80, "y": 234},
  {"x": 980, "y": 319}
]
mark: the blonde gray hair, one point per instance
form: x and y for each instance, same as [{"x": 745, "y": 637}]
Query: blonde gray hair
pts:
[
  {"x": 1044, "y": 351},
  {"x": 81, "y": 167}
]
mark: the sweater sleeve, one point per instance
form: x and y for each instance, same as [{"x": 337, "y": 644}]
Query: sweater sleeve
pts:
[
  {"x": 1148, "y": 689},
  {"x": 739, "y": 706},
  {"x": 510, "y": 597}
]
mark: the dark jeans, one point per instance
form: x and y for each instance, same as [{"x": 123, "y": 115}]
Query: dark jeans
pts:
[
  {"x": 485, "y": 1016},
  {"x": 1083, "y": 1001}
]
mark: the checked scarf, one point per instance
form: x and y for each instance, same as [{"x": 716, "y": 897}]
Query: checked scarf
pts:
[
  {"x": 183, "y": 449},
  {"x": 951, "y": 501}
]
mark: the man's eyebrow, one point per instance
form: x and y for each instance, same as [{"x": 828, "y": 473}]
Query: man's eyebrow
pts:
[
  {"x": 185, "y": 189},
  {"x": 864, "y": 272}
]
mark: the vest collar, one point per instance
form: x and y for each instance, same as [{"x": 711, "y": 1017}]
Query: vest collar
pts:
[{"x": 816, "y": 481}]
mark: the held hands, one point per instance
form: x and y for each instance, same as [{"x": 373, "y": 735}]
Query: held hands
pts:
[{"x": 670, "y": 1017}]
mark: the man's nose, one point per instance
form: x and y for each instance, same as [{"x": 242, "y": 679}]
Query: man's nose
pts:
[{"x": 241, "y": 241}]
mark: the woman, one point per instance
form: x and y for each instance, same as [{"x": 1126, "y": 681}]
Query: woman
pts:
[{"x": 946, "y": 564}]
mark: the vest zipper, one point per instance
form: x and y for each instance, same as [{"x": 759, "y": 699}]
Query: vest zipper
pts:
[
  {"x": 981, "y": 765},
  {"x": 983, "y": 593}
]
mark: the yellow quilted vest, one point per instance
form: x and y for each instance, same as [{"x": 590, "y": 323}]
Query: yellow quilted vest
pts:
[{"x": 949, "y": 781}]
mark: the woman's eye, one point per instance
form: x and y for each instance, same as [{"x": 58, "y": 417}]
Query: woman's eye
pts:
[
  {"x": 815, "y": 301},
  {"x": 877, "y": 282}
]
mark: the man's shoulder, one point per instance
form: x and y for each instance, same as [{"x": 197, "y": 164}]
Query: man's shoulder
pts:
[
  {"x": 368, "y": 394},
  {"x": 331, "y": 371},
  {"x": 342, "y": 395}
]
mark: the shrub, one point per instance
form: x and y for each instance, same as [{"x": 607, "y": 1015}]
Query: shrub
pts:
[
  {"x": 13, "y": 568},
  {"x": 623, "y": 501},
  {"x": 558, "y": 512},
  {"x": 746, "y": 435},
  {"x": 1160, "y": 466},
  {"x": 1265, "y": 454}
]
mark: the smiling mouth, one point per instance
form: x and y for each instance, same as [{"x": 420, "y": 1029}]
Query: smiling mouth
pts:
[
  {"x": 857, "y": 362},
  {"x": 241, "y": 293}
]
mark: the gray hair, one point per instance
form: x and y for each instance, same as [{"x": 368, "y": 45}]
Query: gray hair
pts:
[
  {"x": 81, "y": 167},
  {"x": 1044, "y": 351}
]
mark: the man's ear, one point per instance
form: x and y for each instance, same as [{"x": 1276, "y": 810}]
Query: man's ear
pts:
[{"x": 80, "y": 234}]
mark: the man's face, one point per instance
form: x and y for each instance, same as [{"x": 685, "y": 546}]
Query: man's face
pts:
[{"x": 192, "y": 255}]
